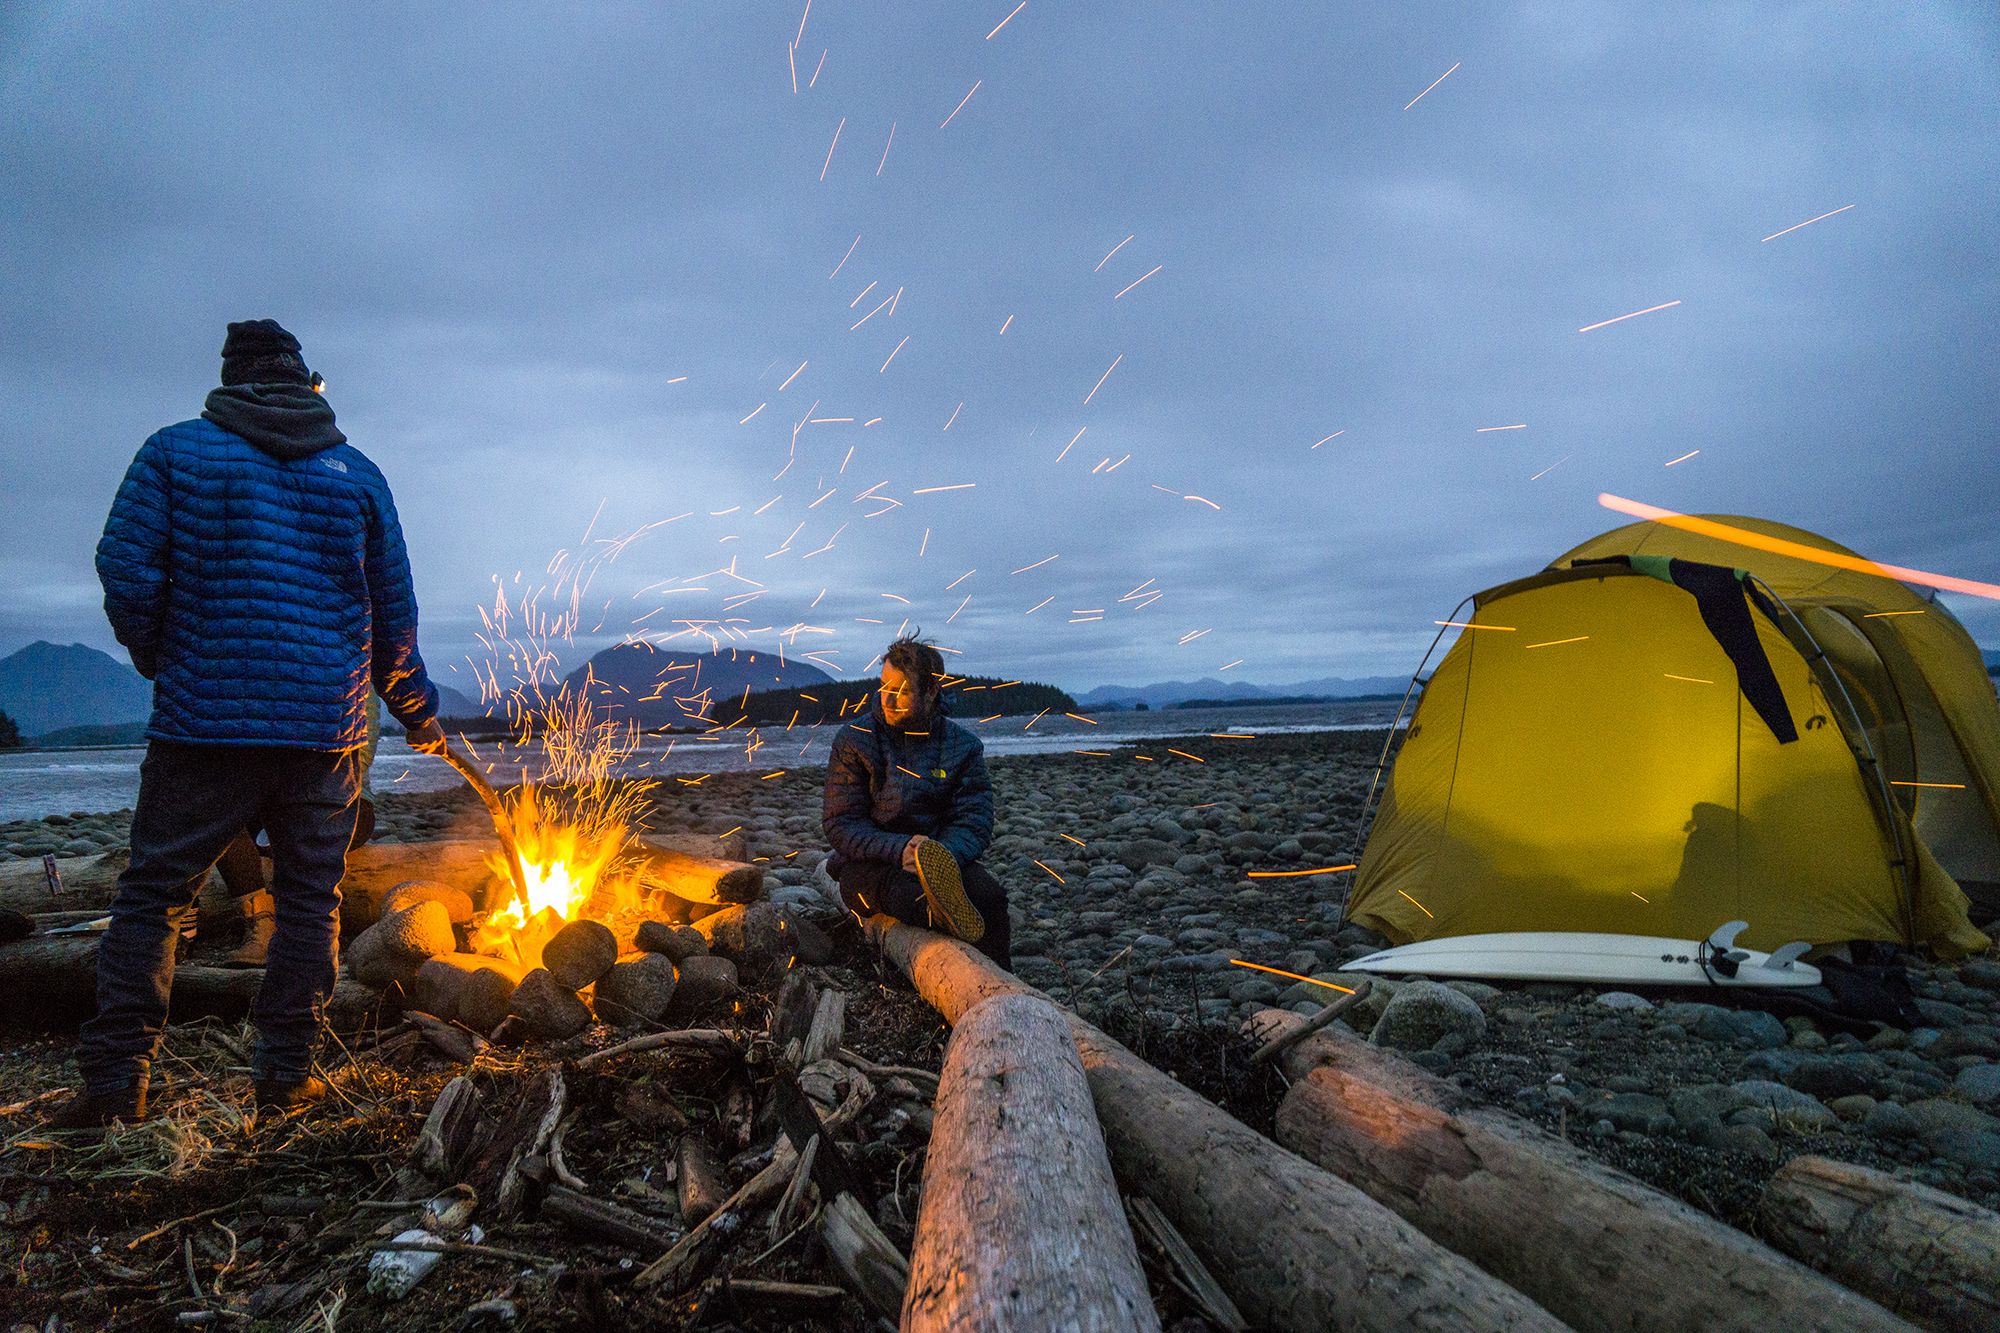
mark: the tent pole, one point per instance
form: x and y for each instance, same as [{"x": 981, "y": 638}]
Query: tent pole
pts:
[
  {"x": 1354, "y": 852},
  {"x": 1905, "y": 857}
]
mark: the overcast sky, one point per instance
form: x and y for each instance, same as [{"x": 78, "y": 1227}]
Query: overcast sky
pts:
[{"x": 576, "y": 269}]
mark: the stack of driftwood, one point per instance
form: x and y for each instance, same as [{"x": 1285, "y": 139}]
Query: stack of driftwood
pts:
[{"x": 1388, "y": 1201}]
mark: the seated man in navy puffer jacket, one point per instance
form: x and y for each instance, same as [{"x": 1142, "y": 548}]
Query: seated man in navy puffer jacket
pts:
[
  {"x": 254, "y": 568},
  {"x": 909, "y": 808}
]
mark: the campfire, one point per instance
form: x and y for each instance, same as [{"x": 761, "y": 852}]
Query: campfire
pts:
[{"x": 569, "y": 870}]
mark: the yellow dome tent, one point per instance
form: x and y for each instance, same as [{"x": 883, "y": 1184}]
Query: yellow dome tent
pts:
[{"x": 1648, "y": 745}]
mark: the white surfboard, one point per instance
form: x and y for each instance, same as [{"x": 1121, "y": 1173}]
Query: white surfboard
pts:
[{"x": 1631, "y": 960}]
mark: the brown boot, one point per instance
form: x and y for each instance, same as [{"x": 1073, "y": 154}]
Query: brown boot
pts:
[
  {"x": 96, "y": 1110},
  {"x": 259, "y": 920},
  {"x": 275, "y": 1095}
]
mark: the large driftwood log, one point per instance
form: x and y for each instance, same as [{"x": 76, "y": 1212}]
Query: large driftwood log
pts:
[
  {"x": 88, "y": 883},
  {"x": 374, "y": 868},
  {"x": 697, "y": 879},
  {"x": 1021, "y": 1224},
  {"x": 1929, "y": 1256},
  {"x": 51, "y": 979},
  {"x": 1593, "y": 1245},
  {"x": 1296, "y": 1248},
  {"x": 607, "y": 1221}
]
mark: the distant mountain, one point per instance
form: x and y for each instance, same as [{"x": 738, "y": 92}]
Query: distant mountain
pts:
[
  {"x": 124, "y": 733},
  {"x": 451, "y": 703},
  {"x": 656, "y": 688},
  {"x": 46, "y": 688},
  {"x": 1164, "y": 694}
]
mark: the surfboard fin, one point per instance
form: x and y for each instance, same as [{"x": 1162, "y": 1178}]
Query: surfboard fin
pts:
[
  {"x": 1724, "y": 937},
  {"x": 1781, "y": 960}
]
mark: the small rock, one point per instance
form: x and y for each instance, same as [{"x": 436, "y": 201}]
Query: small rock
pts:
[
  {"x": 580, "y": 953},
  {"x": 704, "y": 979},
  {"x": 390, "y": 951},
  {"x": 1981, "y": 972},
  {"x": 677, "y": 943},
  {"x": 1853, "y": 1108},
  {"x": 1142, "y": 852},
  {"x": 457, "y": 902},
  {"x": 1624, "y": 999},
  {"x": 1705, "y": 1102},
  {"x": 639, "y": 989},
  {"x": 1255, "y": 990},
  {"x": 1423, "y": 1011},
  {"x": 1476, "y": 991},
  {"x": 1152, "y": 943},
  {"x": 1745, "y": 1139},
  {"x": 1979, "y": 1084},
  {"x": 753, "y": 936},
  {"x": 1796, "y": 1110},
  {"x": 1936, "y": 1116},
  {"x": 548, "y": 1009},
  {"x": 1251, "y": 935},
  {"x": 483, "y": 997},
  {"x": 439, "y": 980}
]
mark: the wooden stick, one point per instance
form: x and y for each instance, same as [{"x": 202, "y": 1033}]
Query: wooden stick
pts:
[
  {"x": 710, "y": 1038},
  {"x": 829, "y": 1025},
  {"x": 869, "y": 1067},
  {"x": 702, "y": 1248},
  {"x": 607, "y": 1221},
  {"x": 781, "y": 1216},
  {"x": 1188, "y": 1271},
  {"x": 459, "y": 1247},
  {"x": 1284, "y": 1041},
  {"x": 875, "y": 1268}
]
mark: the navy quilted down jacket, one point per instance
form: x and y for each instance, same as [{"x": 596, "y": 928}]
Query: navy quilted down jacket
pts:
[
  {"x": 263, "y": 588},
  {"x": 884, "y": 784}
]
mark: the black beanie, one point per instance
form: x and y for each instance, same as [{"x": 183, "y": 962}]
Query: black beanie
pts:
[{"x": 260, "y": 351}]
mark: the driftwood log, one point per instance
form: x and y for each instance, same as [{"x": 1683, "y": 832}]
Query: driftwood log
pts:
[
  {"x": 1929, "y": 1256},
  {"x": 697, "y": 879},
  {"x": 1021, "y": 1224},
  {"x": 607, "y": 1221},
  {"x": 874, "y": 1268},
  {"x": 1592, "y": 1244},
  {"x": 1295, "y": 1247},
  {"x": 697, "y": 1253}
]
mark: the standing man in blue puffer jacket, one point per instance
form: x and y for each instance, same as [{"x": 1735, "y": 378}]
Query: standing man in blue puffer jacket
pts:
[
  {"x": 908, "y": 810},
  {"x": 254, "y": 568}
]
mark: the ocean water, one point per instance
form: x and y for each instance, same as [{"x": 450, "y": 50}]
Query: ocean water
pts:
[{"x": 92, "y": 781}]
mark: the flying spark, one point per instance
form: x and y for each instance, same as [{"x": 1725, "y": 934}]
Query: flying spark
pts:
[
  {"x": 960, "y": 579},
  {"x": 1210, "y": 503},
  {"x": 753, "y": 412},
  {"x": 1114, "y": 250},
  {"x": 885, "y": 149},
  {"x": 930, "y": 490},
  {"x": 1550, "y": 643},
  {"x": 1136, "y": 281},
  {"x": 1010, "y": 318},
  {"x": 1873, "y": 615},
  {"x": 864, "y": 319},
  {"x": 1070, "y": 445},
  {"x": 1953, "y": 786},
  {"x": 1483, "y": 429},
  {"x": 1185, "y": 755},
  {"x": 1692, "y": 680},
  {"x": 1279, "y": 971},
  {"x": 954, "y": 416},
  {"x": 885, "y": 366},
  {"x": 1004, "y": 22},
  {"x": 1467, "y": 624},
  {"x": 1238, "y": 662},
  {"x": 1552, "y": 467},
  {"x": 1287, "y": 874},
  {"x": 1038, "y": 564},
  {"x": 961, "y": 106},
  {"x": 1101, "y": 378},
  {"x": 1336, "y": 435},
  {"x": 1634, "y": 315},
  {"x": 1058, "y": 878},
  {"x": 844, "y": 258},
  {"x": 1420, "y": 907},
  {"x": 864, "y": 291},
  {"x": 1779, "y": 546},
  {"x": 1434, "y": 83},
  {"x": 1683, "y": 458},
  {"x": 830, "y": 147},
  {"x": 816, "y": 69},
  {"x": 1807, "y": 223},
  {"x": 1038, "y": 606},
  {"x": 794, "y": 375}
]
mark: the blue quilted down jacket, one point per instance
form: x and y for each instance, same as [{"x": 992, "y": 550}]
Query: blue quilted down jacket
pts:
[
  {"x": 884, "y": 784},
  {"x": 263, "y": 587}
]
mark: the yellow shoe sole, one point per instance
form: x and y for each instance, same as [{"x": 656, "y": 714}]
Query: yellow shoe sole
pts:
[{"x": 937, "y": 869}]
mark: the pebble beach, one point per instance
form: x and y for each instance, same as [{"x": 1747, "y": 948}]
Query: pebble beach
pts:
[{"x": 1143, "y": 879}]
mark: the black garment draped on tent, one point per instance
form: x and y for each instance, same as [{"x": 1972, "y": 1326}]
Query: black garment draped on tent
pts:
[{"x": 1723, "y": 597}]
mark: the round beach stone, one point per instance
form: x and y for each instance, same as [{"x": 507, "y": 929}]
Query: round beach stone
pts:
[
  {"x": 580, "y": 953},
  {"x": 676, "y": 943},
  {"x": 1852, "y": 1108},
  {"x": 548, "y": 1009},
  {"x": 1624, "y": 999},
  {"x": 457, "y": 902},
  {"x": 1979, "y": 1084},
  {"x": 390, "y": 951},
  {"x": 483, "y": 997},
  {"x": 1424, "y": 1011},
  {"x": 639, "y": 988},
  {"x": 704, "y": 979}
]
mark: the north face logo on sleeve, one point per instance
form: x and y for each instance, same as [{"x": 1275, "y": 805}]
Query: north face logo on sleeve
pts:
[{"x": 335, "y": 464}]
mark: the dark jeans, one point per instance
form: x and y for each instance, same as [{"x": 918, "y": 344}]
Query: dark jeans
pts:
[
  {"x": 193, "y": 800},
  {"x": 868, "y": 887}
]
